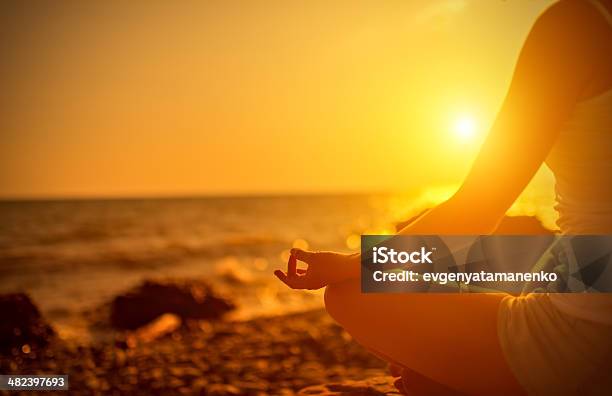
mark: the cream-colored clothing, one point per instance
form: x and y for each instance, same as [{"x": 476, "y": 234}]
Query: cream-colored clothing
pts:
[
  {"x": 581, "y": 161},
  {"x": 551, "y": 353},
  {"x": 561, "y": 344}
]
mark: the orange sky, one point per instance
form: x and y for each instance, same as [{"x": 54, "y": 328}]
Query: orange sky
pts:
[{"x": 239, "y": 97}]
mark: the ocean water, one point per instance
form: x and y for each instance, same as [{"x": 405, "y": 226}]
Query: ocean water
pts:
[{"x": 71, "y": 256}]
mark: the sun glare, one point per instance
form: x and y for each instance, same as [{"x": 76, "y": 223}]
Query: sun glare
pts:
[{"x": 465, "y": 127}]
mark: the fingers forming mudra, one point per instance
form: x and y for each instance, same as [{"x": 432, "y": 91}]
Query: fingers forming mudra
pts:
[{"x": 322, "y": 269}]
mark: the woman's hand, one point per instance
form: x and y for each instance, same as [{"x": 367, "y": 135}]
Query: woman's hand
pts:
[{"x": 324, "y": 268}]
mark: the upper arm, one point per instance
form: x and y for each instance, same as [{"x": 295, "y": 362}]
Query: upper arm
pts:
[{"x": 554, "y": 67}]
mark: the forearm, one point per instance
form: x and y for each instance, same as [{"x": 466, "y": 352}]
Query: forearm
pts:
[
  {"x": 453, "y": 217},
  {"x": 459, "y": 215}
]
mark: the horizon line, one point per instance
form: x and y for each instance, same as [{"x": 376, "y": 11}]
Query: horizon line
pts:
[{"x": 192, "y": 195}]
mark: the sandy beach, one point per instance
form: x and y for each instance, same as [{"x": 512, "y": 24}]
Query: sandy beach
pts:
[{"x": 270, "y": 355}]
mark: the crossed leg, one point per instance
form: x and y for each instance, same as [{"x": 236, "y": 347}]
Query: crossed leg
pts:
[{"x": 449, "y": 338}]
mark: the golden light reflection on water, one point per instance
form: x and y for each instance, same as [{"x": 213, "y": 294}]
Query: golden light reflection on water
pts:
[
  {"x": 385, "y": 211},
  {"x": 353, "y": 241},
  {"x": 284, "y": 255},
  {"x": 260, "y": 264},
  {"x": 300, "y": 244}
]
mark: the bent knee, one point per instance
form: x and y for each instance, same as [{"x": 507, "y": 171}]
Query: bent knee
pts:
[
  {"x": 340, "y": 298},
  {"x": 332, "y": 298}
]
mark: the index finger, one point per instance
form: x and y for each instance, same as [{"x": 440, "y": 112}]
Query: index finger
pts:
[{"x": 302, "y": 255}]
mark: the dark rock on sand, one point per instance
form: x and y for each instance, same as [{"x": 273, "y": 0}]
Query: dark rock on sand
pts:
[
  {"x": 22, "y": 328},
  {"x": 377, "y": 386},
  {"x": 188, "y": 299}
]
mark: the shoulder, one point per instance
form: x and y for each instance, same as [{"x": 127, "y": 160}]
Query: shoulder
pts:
[
  {"x": 571, "y": 32},
  {"x": 575, "y": 16}
]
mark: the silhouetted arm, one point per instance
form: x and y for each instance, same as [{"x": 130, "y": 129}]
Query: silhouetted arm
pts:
[{"x": 553, "y": 70}]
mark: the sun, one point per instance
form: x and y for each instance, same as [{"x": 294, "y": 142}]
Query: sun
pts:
[{"x": 464, "y": 127}]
